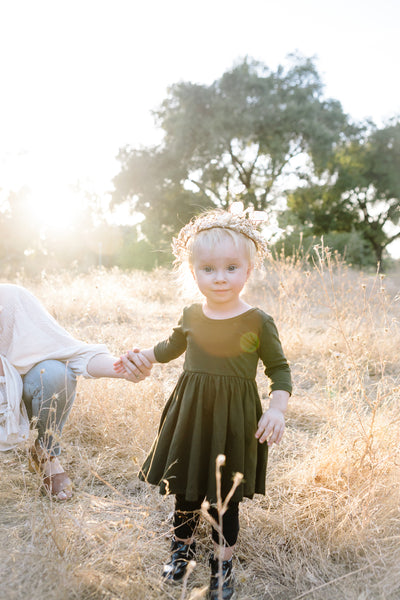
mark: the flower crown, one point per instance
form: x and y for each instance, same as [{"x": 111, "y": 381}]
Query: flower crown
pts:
[{"x": 244, "y": 222}]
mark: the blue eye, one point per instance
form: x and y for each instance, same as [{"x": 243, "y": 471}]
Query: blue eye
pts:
[
  {"x": 232, "y": 268},
  {"x": 207, "y": 269}
]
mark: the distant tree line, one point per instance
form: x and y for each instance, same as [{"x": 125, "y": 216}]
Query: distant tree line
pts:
[
  {"x": 29, "y": 245},
  {"x": 267, "y": 138},
  {"x": 271, "y": 140}
]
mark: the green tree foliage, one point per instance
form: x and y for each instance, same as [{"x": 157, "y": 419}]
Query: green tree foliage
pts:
[
  {"x": 234, "y": 139},
  {"x": 150, "y": 179},
  {"x": 361, "y": 192}
]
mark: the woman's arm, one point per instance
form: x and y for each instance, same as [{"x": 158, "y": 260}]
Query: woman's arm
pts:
[{"x": 102, "y": 365}]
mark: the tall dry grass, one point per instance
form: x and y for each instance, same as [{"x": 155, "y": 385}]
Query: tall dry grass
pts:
[{"x": 329, "y": 526}]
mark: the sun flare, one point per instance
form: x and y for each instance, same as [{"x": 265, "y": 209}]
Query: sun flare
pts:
[{"x": 55, "y": 208}]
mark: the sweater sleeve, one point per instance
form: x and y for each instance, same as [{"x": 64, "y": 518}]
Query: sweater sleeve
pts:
[
  {"x": 172, "y": 347},
  {"x": 271, "y": 353},
  {"x": 31, "y": 335}
]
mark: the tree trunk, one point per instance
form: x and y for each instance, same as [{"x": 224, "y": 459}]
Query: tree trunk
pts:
[{"x": 379, "y": 260}]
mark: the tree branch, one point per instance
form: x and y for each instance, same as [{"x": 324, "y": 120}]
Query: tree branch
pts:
[
  {"x": 251, "y": 170},
  {"x": 239, "y": 167},
  {"x": 206, "y": 189},
  {"x": 363, "y": 207},
  {"x": 392, "y": 238}
]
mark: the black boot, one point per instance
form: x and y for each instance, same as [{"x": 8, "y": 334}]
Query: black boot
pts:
[
  {"x": 181, "y": 555},
  {"x": 228, "y": 580}
]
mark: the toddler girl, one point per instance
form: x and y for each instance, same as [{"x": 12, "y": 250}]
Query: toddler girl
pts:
[{"x": 215, "y": 407}]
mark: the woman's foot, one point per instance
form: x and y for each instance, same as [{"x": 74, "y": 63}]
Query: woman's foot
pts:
[{"x": 55, "y": 480}]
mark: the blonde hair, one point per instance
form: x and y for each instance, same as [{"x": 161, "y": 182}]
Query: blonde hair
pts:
[
  {"x": 241, "y": 228},
  {"x": 209, "y": 238}
]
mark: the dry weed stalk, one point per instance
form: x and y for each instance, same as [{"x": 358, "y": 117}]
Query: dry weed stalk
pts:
[{"x": 222, "y": 506}]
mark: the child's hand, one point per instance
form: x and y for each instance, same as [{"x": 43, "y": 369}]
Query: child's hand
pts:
[
  {"x": 271, "y": 426},
  {"x": 134, "y": 365},
  {"x": 118, "y": 366}
]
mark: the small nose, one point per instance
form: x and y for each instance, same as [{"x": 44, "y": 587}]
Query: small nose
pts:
[{"x": 220, "y": 275}]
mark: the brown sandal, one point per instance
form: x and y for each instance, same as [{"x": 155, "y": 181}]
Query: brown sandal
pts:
[{"x": 53, "y": 485}]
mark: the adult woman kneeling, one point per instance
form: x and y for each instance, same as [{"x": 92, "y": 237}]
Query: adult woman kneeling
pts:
[{"x": 39, "y": 365}]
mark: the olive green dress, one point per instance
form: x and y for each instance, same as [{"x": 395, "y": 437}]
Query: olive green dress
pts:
[{"x": 215, "y": 406}]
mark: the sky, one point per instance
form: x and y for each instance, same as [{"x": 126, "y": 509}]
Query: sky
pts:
[{"x": 80, "y": 78}]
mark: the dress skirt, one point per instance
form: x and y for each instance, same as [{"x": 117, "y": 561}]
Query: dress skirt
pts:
[{"x": 207, "y": 415}]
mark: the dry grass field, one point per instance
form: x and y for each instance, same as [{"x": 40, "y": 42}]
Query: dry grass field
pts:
[{"x": 329, "y": 526}]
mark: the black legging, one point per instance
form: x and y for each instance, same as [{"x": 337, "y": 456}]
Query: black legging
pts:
[{"x": 187, "y": 515}]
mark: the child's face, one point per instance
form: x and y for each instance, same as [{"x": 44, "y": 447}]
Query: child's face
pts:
[{"x": 221, "y": 272}]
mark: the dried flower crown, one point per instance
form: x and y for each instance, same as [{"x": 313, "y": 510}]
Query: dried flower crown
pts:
[{"x": 244, "y": 222}]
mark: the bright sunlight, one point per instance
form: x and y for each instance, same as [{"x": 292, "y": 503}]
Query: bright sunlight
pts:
[{"x": 54, "y": 207}]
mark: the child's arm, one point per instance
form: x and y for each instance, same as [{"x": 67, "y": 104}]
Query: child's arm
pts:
[
  {"x": 135, "y": 360},
  {"x": 271, "y": 426}
]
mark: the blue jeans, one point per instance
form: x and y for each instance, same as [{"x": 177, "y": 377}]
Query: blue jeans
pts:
[{"x": 48, "y": 393}]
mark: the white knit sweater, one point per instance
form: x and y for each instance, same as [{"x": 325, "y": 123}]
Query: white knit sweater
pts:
[{"x": 28, "y": 335}]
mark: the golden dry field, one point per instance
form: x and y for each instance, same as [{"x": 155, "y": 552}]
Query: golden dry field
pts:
[{"x": 329, "y": 526}]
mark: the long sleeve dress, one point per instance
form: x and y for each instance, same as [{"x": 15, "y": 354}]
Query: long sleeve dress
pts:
[{"x": 215, "y": 406}]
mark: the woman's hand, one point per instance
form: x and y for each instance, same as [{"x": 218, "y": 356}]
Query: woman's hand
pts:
[
  {"x": 135, "y": 365},
  {"x": 105, "y": 365}
]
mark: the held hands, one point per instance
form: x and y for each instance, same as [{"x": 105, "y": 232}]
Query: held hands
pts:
[{"x": 134, "y": 365}]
